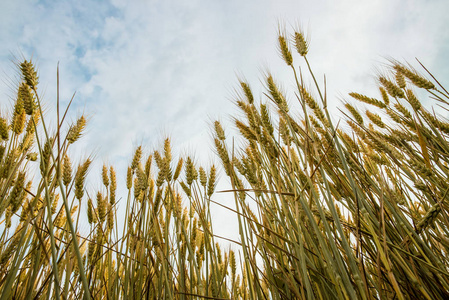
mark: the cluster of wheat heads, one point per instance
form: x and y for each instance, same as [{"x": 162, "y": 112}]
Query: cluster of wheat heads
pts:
[
  {"x": 324, "y": 210},
  {"x": 344, "y": 212},
  {"x": 166, "y": 249}
]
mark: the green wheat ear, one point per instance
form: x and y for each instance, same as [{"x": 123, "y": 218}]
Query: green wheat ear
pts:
[
  {"x": 302, "y": 45},
  {"x": 29, "y": 74}
]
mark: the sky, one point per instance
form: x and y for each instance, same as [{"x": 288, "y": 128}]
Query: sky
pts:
[{"x": 145, "y": 70}]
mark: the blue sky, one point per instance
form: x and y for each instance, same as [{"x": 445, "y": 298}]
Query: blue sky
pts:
[{"x": 143, "y": 70}]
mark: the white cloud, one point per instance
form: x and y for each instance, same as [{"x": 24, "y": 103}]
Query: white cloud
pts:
[{"x": 167, "y": 67}]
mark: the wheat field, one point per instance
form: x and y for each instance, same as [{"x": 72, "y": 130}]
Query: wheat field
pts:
[{"x": 353, "y": 209}]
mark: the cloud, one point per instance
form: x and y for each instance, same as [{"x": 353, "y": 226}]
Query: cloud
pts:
[{"x": 149, "y": 68}]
